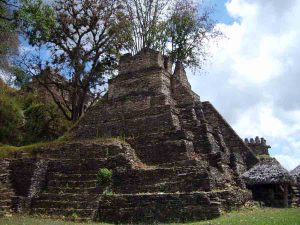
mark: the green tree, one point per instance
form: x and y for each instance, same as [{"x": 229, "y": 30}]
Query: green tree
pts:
[
  {"x": 190, "y": 29},
  {"x": 9, "y": 42},
  {"x": 11, "y": 120},
  {"x": 180, "y": 29},
  {"x": 43, "y": 122},
  {"x": 147, "y": 26},
  {"x": 82, "y": 37}
]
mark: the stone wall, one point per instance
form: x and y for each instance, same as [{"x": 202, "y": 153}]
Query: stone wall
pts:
[
  {"x": 243, "y": 156},
  {"x": 6, "y": 192},
  {"x": 157, "y": 208},
  {"x": 258, "y": 145}
]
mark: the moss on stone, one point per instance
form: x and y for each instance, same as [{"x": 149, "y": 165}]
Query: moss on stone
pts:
[
  {"x": 9, "y": 151},
  {"x": 264, "y": 156}
]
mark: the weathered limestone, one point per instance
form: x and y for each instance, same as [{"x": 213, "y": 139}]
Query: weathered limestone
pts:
[
  {"x": 258, "y": 145},
  {"x": 6, "y": 191},
  {"x": 160, "y": 116},
  {"x": 167, "y": 125},
  {"x": 178, "y": 160}
]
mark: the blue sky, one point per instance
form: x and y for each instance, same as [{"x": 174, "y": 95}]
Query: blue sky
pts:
[
  {"x": 220, "y": 12},
  {"x": 253, "y": 75}
]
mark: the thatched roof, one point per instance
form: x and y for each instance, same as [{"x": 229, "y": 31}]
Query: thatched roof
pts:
[
  {"x": 296, "y": 173},
  {"x": 267, "y": 171}
]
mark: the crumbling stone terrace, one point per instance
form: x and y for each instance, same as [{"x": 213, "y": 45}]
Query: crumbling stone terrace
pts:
[{"x": 172, "y": 156}]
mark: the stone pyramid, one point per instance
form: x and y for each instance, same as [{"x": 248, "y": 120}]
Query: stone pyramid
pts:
[
  {"x": 169, "y": 128},
  {"x": 173, "y": 157}
]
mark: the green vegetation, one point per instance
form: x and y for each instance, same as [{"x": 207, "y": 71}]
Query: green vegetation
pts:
[
  {"x": 264, "y": 156},
  {"x": 74, "y": 216},
  {"x": 27, "y": 220},
  {"x": 27, "y": 119},
  {"x": 255, "y": 216},
  {"x": 266, "y": 216},
  {"x": 11, "y": 119},
  {"x": 7, "y": 150},
  {"x": 9, "y": 42},
  {"x": 104, "y": 176}
]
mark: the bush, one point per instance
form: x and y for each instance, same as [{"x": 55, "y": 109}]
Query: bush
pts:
[
  {"x": 25, "y": 119},
  {"x": 43, "y": 122},
  {"x": 104, "y": 176},
  {"x": 11, "y": 120}
]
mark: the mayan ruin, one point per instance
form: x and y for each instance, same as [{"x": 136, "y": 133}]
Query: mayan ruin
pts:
[
  {"x": 175, "y": 112},
  {"x": 173, "y": 158}
]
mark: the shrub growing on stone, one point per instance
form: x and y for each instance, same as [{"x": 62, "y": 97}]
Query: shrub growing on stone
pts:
[{"x": 104, "y": 176}]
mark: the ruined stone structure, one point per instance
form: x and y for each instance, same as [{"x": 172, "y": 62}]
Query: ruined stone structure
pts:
[
  {"x": 175, "y": 158},
  {"x": 258, "y": 145},
  {"x": 6, "y": 191}
]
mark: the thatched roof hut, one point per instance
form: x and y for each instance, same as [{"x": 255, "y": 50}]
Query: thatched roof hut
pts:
[
  {"x": 270, "y": 183},
  {"x": 296, "y": 174},
  {"x": 267, "y": 171}
]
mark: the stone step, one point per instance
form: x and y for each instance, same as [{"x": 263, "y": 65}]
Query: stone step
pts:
[
  {"x": 82, "y": 150},
  {"x": 68, "y": 196},
  {"x": 63, "y": 204},
  {"x": 83, "y": 214},
  {"x": 70, "y": 190},
  {"x": 77, "y": 166},
  {"x": 5, "y": 208},
  {"x": 4, "y": 176},
  {"x": 77, "y": 155},
  {"x": 6, "y": 202},
  {"x": 6, "y": 195},
  {"x": 72, "y": 184},
  {"x": 161, "y": 180},
  {"x": 72, "y": 176},
  {"x": 4, "y": 188},
  {"x": 153, "y": 208}
]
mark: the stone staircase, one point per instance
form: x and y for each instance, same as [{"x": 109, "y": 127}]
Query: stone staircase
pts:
[
  {"x": 6, "y": 192},
  {"x": 296, "y": 196},
  {"x": 162, "y": 179},
  {"x": 157, "y": 207},
  {"x": 71, "y": 188},
  {"x": 137, "y": 191}
]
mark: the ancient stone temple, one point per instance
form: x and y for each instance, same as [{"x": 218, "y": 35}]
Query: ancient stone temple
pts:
[{"x": 173, "y": 157}]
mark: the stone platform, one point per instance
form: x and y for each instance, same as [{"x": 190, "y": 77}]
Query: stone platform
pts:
[{"x": 173, "y": 157}]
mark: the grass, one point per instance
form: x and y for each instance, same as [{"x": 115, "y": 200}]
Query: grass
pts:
[
  {"x": 8, "y": 151},
  {"x": 255, "y": 216},
  {"x": 27, "y": 220},
  {"x": 264, "y": 156}
]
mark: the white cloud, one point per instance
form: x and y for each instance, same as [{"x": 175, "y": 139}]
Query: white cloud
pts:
[
  {"x": 254, "y": 75},
  {"x": 288, "y": 162}
]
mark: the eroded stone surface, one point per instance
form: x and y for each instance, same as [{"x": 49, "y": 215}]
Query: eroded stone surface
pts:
[{"x": 178, "y": 160}]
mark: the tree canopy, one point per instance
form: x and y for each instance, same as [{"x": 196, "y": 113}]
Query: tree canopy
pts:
[
  {"x": 8, "y": 36},
  {"x": 80, "y": 41},
  {"x": 180, "y": 29},
  {"x": 83, "y": 40}
]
